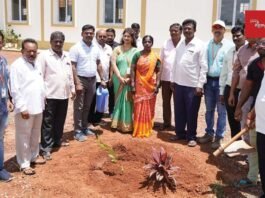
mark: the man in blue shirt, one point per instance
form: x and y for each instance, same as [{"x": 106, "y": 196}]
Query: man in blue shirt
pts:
[
  {"x": 4, "y": 77},
  {"x": 216, "y": 50}
]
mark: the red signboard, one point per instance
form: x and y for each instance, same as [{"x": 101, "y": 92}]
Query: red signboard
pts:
[{"x": 255, "y": 24}]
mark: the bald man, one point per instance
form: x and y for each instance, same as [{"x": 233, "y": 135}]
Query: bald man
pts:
[{"x": 105, "y": 54}]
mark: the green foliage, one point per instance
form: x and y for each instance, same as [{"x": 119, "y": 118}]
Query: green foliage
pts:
[
  {"x": 111, "y": 153},
  {"x": 10, "y": 35}
]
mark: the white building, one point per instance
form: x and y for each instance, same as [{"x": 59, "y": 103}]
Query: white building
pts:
[{"x": 38, "y": 18}]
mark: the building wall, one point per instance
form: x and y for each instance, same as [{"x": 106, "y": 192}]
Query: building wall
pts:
[
  {"x": 33, "y": 28},
  {"x": 161, "y": 15},
  {"x": 261, "y": 5},
  {"x": 2, "y": 15},
  {"x": 155, "y": 17}
]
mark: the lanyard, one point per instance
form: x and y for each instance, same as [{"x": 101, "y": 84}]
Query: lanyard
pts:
[{"x": 214, "y": 53}]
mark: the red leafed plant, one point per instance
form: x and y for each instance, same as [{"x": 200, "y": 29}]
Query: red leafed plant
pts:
[{"x": 161, "y": 171}]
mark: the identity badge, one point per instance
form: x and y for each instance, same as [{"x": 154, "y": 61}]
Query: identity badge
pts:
[{"x": 3, "y": 92}]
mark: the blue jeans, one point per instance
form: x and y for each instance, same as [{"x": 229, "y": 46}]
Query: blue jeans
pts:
[
  {"x": 3, "y": 124},
  {"x": 212, "y": 92}
]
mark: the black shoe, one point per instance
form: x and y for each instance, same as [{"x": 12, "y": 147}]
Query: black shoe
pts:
[
  {"x": 176, "y": 138},
  {"x": 165, "y": 127}
]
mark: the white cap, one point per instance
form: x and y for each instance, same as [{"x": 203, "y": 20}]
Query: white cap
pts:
[{"x": 219, "y": 22}]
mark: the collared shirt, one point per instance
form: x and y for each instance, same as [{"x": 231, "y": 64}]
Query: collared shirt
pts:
[
  {"x": 227, "y": 70},
  {"x": 245, "y": 56},
  {"x": 167, "y": 57},
  {"x": 215, "y": 56},
  {"x": 86, "y": 58},
  {"x": 4, "y": 77},
  {"x": 57, "y": 74},
  {"x": 190, "y": 66},
  {"x": 139, "y": 43},
  {"x": 105, "y": 55},
  {"x": 260, "y": 109},
  {"x": 27, "y": 87}
]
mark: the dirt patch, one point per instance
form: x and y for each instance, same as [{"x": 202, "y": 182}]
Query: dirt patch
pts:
[{"x": 87, "y": 170}]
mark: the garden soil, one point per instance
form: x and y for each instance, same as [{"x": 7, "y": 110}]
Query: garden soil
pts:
[{"x": 86, "y": 169}]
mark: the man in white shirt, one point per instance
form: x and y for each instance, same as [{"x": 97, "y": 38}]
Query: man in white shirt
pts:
[
  {"x": 136, "y": 29},
  {"x": 188, "y": 75},
  {"x": 105, "y": 54},
  {"x": 85, "y": 58},
  {"x": 225, "y": 80},
  {"x": 27, "y": 89},
  {"x": 59, "y": 85},
  {"x": 167, "y": 57},
  {"x": 217, "y": 47}
]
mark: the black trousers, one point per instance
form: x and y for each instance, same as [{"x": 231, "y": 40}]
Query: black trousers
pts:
[
  {"x": 53, "y": 123},
  {"x": 261, "y": 157},
  {"x": 111, "y": 99},
  {"x": 94, "y": 116},
  {"x": 234, "y": 124}
]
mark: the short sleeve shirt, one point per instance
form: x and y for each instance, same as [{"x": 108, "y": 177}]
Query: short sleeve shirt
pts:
[{"x": 86, "y": 58}]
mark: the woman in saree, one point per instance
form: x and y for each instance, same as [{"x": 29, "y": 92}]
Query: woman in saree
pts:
[
  {"x": 121, "y": 63},
  {"x": 145, "y": 76}
]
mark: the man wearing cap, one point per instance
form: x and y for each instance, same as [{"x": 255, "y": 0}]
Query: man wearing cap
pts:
[{"x": 216, "y": 50}]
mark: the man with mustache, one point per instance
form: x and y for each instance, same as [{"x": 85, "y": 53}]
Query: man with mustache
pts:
[
  {"x": 188, "y": 77},
  {"x": 216, "y": 50},
  {"x": 59, "y": 85},
  {"x": 27, "y": 90}
]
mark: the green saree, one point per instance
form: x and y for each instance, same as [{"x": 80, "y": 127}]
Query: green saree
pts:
[{"x": 123, "y": 109}]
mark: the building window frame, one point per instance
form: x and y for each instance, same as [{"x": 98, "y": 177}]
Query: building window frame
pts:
[
  {"x": 217, "y": 4},
  {"x": 9, "y": 13},
  {"x": 55, "y": 16},
  {"x": 101, "y": 15}
]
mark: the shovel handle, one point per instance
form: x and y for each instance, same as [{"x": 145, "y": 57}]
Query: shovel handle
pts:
[{"x": 223, "y": 147}]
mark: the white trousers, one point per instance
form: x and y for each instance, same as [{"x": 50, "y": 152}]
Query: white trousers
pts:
[{"x": 27, "y": 138}]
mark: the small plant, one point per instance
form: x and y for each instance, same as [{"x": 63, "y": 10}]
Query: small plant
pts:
[
  {"x": 161, "y": 171},
  {"x": 111, "y": 153},
  {"x": 11, "y": 37}
]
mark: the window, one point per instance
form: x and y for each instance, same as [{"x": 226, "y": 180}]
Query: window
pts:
[
  {"x": 232, "y": 11},
  {"x": 17, "y": 11},
  {"x": 62, "y": 12},
  {"x": 111, "y": 12}
]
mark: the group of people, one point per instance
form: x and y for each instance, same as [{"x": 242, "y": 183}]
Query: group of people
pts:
[
  {"x": 40, "y": 85},
  {"x": 228, "y": 74}
]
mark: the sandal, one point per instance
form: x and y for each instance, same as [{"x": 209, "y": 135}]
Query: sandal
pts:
[
  {"x": 28, "y": 171},
  {"x": 245, "y": 183}
]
